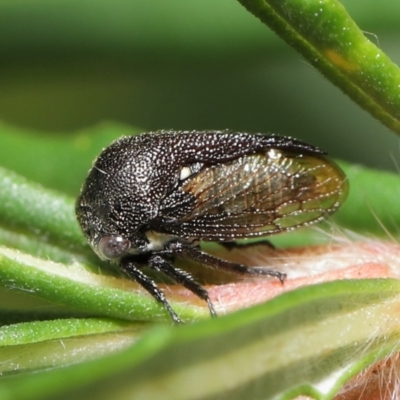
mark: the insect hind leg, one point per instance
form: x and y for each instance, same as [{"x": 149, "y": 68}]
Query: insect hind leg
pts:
[
  {"x": 195, "y": 254},
  {"x": 246, "y": 246},
  {"x": 158, "y": 263}
]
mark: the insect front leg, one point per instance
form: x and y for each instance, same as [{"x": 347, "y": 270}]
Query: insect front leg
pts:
[
  {"x": 195, "y": 254},
  {"x": 158, "y": 263},
  {"x": 133, "y": 271}
]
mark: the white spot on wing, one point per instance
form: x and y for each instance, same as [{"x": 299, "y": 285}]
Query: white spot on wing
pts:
[
  {"x": 185, "y": 173},
  {"x": 274, "y": 154}
]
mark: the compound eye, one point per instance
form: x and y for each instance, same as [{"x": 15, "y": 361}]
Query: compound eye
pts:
[{"x": 113, "y": 247}]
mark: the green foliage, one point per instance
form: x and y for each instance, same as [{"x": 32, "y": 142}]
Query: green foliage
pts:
[
  {"x": 60, "y": 307},
  {"x": 327, "y": 37}
]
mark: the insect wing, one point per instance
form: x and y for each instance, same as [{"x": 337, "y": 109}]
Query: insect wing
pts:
[{"x": 261, "y": 194}]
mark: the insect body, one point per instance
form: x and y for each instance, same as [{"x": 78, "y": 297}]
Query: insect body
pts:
[{"x": 152, "y": 197}]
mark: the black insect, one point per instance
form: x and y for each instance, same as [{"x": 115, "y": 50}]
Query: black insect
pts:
[{"x": 152, "y": 197}]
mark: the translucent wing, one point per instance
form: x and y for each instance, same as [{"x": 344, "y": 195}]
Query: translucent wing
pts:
[{"x": 260, "y": 194}]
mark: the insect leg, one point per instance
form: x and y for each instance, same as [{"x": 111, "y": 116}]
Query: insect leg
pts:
[
  {"x": 246, "y": 246},
  {"x": 133, "y": 271},
  {"x": 195, "y": 254},
  {"x": 157, "y": 263}
]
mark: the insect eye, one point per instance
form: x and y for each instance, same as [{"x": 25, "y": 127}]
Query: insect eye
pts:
[{"x": 113, "y": 247}]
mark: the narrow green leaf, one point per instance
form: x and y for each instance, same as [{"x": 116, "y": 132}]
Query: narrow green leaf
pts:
[
  {"x": 327, "y": 37},
  {"x": 309, "y": 341},
  {"x": 39, "y": 331},
  {"x": 82, "y": 290},
  {"x": 55, "y": 343},
  {"x": 26, "y": 205}
]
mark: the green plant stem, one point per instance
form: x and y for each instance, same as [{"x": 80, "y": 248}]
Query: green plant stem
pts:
[
  {"x": 83, "y": 290},
  {"x": 42, "y": 212},
  {"x": 327, "y": 37},
  {"x": 309, "y": 341}
]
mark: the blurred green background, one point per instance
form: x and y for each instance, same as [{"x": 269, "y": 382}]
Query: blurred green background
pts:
[{"x": 198, "y": 64}]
